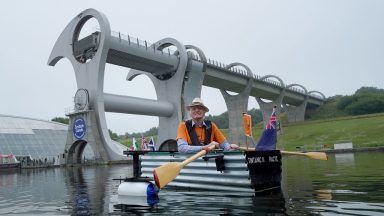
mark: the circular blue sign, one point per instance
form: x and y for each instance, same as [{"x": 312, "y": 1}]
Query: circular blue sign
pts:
[{"x": 79, "y": 128}]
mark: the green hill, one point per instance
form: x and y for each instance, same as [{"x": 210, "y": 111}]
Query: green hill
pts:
[
  {"x": 362, "y": 131},
  {"x": 341, "y": 119}
]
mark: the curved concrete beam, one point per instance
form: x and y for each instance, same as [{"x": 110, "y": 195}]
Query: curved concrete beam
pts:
[
  {"x": 193, "y": 81},
  {"x": 296, "y": 114},
  {"x": 276, "y": 77},
  {"x": 324, "y": 98},
  {"x": 266, "y": 108},
  {"x": 291, "y": 85},
  {"x": 200, "y": 53},
  {"x": 169, "y": 90},
  {"x": 250, "y": 81}
]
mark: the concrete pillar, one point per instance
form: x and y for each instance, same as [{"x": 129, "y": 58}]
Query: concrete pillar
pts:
[
  {"x": 236, "y": 105},
  {"x": 266, "y": 108},
  {"x": 180, "y": 89},
  {"x": 297, "y": 113},
  {"x": 89, "y": 71},
  {"x": 193, "y": 81},
  {"x": 80, "y": 134}
]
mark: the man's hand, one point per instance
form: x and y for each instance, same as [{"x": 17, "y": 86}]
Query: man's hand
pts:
[
  {"x": 233, "y": 146},
  {"x": 211, "y": 146},
  {"x": 216, "y": 144}
]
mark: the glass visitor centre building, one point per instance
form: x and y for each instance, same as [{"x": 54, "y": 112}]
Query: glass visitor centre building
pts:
[{"x": 38, "y": 139}]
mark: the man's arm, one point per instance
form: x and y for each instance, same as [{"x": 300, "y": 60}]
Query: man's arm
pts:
[
  {"x": 183, "y": 147},
  {"x": 225, "y": 145}
]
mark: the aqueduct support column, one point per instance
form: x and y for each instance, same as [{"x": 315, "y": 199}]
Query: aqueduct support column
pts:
[
  {"x": 237, "y": 105},
  {"x": 89, "y": 134},
  {"x": 88, "y": 124},
  {"x": 266, "y": 108},
  {"x": 297, "y": 113},
  {"x": 180, "y": 89}
]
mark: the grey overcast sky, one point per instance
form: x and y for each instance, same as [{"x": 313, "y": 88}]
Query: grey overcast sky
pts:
[{"x": 332, "y": 46}]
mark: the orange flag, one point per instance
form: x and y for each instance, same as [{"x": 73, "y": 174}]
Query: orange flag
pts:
[{"x": 247, "y": 122}]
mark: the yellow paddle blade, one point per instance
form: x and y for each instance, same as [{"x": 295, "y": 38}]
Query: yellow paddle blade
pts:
[
  {"x": 313, "y": 155},
  {"x": 166, "y": 173},
  {"x": 169, "y": 171},
  {"x": 317, "y": 155}
]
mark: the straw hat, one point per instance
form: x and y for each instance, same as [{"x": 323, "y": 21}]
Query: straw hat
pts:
[{"x": 198, "y": 102}]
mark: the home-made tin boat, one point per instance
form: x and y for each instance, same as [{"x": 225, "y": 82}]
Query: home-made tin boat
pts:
[{"x": 233, "y": 171}]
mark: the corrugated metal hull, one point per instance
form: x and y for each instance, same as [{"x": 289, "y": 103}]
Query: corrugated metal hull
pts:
[{"x": 202, "y": 174}]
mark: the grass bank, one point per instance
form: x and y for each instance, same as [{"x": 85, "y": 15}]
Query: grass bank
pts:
[{"x": 362, "y": 131}]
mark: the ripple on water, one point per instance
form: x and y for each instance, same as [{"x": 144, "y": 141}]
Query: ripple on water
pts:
[{"x": 348, "y": 208}]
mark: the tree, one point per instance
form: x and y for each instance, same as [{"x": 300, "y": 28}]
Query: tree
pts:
[
  {"x": 366, "y": 100},
  {"x": 365, "y": 89},
  {"x": 222, "y": 120},
  {"x": 113, "y": 135},
  {"x": 61, "y": 120},
  {"x": 346, "y": 101},
  {"x": 257, "y": 116},
  {"x": 366, "y": 105}
]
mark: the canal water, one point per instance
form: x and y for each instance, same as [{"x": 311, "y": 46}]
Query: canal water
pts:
[{"x": 346, "y": 184}]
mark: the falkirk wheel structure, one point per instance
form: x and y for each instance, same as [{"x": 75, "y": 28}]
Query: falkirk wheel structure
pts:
[{"x": 178, "y": 77}]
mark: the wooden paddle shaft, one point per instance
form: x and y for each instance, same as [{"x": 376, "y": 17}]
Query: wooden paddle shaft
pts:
[
  {"x": 313, "y": 155},
  {"x": 246, "y": 149},
  {"x": 195, "y": 156},
  {"x": 283, "y": 152},
  {"x": 293, "y": 153}
]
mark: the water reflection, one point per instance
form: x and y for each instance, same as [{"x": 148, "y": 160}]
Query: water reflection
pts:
[
  {"x": 345, "y": 159},
  {"x": 221, "y": 203},
  {"x": 81, "y": 201},
  {"x": 181, "y": 202},
  {"x": 133, "y": 204},
  {"x": 309, "y": 187},
  {"x": 32, "y": 192},
  {"x": 86, "y": 193},
  {"x": 273, "y": 203},
  {"x": 330, "y": 207}
]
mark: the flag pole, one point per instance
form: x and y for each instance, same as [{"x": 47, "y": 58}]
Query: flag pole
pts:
[{"x": 246, "y": 141}]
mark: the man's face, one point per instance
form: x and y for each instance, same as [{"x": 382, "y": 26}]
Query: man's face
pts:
[{"x": 197, "y": 112}]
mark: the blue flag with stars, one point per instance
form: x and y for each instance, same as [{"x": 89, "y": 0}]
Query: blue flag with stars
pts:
[{"x": 268, "y": 139}]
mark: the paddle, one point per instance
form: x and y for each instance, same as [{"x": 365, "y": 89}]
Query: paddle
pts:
[
  {"x": 313, "y": 155},
  {"x": 169, "y": 171}
]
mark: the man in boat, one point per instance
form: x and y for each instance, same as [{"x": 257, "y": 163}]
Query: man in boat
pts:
[{"x": 197, "y": 134}]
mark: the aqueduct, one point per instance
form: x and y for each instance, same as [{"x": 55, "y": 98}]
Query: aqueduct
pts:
[{"x": 177, "y": 76}]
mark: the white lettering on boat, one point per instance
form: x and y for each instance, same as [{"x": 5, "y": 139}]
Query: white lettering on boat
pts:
[
  {"x": 273, "y": 159},
  {"x": 254, "y": 160},
  {"x": 263, "y": 159}
]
